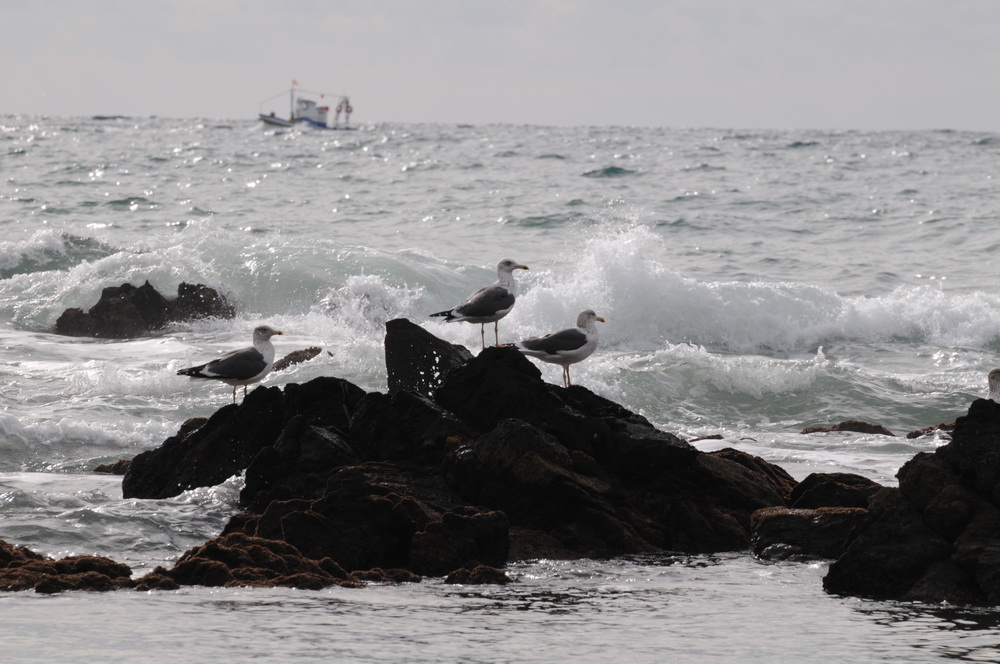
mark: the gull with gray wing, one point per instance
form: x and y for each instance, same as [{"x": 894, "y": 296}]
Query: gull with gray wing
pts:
[
  {"x": 240, "y": 367},
  {"x": 567, "y": 346},
  {"x": 993, "y": 378},
  {"x": 488, "y": 304}
]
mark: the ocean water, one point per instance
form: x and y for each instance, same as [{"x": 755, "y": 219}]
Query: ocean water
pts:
[{"x": 753, "y": 282}]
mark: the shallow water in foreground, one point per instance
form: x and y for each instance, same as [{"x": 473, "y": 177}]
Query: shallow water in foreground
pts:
[{"x": 727, "y": 608}]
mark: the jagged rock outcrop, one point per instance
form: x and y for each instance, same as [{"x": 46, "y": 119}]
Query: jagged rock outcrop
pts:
[
  {"x": 480, "y": 465},
  {"x": 416, "y": 361},
  {"x": 833, "y": 490},
  {"x": 227, "y": 443},
  {"x": 127, "y": 311},
  {"x": 937, "y": 536}
]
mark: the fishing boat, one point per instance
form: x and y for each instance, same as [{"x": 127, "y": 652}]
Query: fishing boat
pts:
[{"x": 303, "y": 108}]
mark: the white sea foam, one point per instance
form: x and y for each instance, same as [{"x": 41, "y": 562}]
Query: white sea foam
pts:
[
  {"x": 38, "y": 248},
  {"x": 619, "y": 273}
]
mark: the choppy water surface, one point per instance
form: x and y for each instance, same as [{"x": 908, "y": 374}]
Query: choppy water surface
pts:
[{"x": 753, "y": 282}]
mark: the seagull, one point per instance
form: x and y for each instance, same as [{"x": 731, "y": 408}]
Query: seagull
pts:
[
  {"x": 567, "y": 346},
  {"x": 240, "y": 367},
  {"x": 994, "y": 381},
  {"x": 489, "y": 304}
]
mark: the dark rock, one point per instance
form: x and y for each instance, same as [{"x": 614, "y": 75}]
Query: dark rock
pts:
[
  {"x": 707, "y": 506},
  {"x": 483, "y": 464},
  {"x": 226, "y": 443},
  {"x": 126, "y": 311},
  {"x": 531, "y": 544},
  {"x": 296, "y": 465},
  {"x": 379, "y": 575},
  {"x": 199, "y": 301},
  {"x": 927, "y": 431},
  {"x": 212, "y": 453},
  {"x": 501, "y": 383},
  {"x": 23, "y": 569},
  {"x": 525, "y": 473},
  {"x": 784, "y": 533},
  {"x": 158, "y": 579},
  {"x": 119, "y": 467},
  {"x": 405, "y": 427},
  {"x": 782, "y": 482},
  {"x": 678, "y": 501},
  {"x": 885, "y": 561},
  {"x": 935, "y": 537},
  {"x": 358, "y": 529},
  {"x": 856, "y": 426},
  {"x": 416, "y": 361},
  {"x": 239, "y": 560},
  {"x": 833, "y": 490},
  {"x": 459, "y": 537},
  {"x": 361, "y": 526}
]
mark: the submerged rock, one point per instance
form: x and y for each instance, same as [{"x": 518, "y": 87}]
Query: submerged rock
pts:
[
  {"x": 127, "y": 311},
  {"x": 478, "y": 575},
  {"x": 945, "y": 427},
  {"x": 856, "y": 426}
]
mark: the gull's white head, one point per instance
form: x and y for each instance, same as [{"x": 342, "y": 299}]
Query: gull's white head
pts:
[
  {"x": 264, "y": 332},
  {"x": 587, "y": 318},
  {"x": 508, "y": 265}
]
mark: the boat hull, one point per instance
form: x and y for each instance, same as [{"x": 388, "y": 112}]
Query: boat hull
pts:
[{"x": 275, "y": 121}]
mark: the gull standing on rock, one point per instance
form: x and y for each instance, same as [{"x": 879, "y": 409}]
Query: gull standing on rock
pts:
[
  {"x": 994, "y": 381},
  {"x": 489, "y": 304},
  {"x": 567, "y": 346},
  {"x": 240, "y": 367}
]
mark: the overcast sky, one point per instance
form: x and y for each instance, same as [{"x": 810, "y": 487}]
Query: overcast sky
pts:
[{"x": 829, "y": 64}]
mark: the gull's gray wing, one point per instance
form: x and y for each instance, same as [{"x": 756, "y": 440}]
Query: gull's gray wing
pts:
[
  {"x": 486, "y": 302},
  {"x": 241, "y": 364},
  {"x": 564, "y": 340}
]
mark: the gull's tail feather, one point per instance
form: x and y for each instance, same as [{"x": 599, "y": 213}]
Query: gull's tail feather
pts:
[{"x": 194, "y": 372}]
